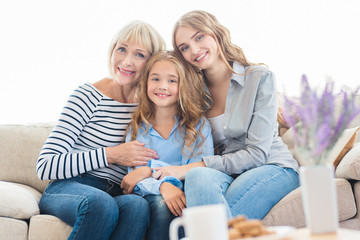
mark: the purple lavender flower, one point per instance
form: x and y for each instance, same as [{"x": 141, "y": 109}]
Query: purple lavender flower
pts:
[{"x": 314, "y": 121}]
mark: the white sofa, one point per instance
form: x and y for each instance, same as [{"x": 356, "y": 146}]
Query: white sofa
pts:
[{"x": 20, "y": 188}]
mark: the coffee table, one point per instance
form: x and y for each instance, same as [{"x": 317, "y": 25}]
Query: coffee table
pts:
[{"x": 341, "y": 234}]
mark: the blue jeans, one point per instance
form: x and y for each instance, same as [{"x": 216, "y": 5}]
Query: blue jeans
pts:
[
  {"x": 96, "y": 208},
  {"x": 160, "y": 218},
  {"x": 252, "y": 193}
]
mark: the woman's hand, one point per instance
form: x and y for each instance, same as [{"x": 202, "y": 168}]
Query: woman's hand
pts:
[
  {"x": 130, "y": 154},
  {"x": 131, "y": 179},
  {"x": 174, "y": 198},
  {"x": 175, "y": 171}
]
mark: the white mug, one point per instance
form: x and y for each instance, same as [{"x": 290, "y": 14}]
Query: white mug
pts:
[{"x": 206, "y": 222}]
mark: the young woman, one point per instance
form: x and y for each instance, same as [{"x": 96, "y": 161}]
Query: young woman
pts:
[
  {"x": 85, "y": 156},
  {"x": 253, "y": 168},
  {"x": 169, "y": 119}
]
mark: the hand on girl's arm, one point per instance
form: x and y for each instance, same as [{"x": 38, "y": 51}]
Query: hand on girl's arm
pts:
[
  {"x": 131, "y": 179},
  {"x": 176, "y": 171},
  {"x": 174, "y": 198}
]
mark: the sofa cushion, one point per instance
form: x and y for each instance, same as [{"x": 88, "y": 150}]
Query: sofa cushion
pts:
[
  {"x": 292, "y": 203},
  {"x": 11, "y": 229},
  {"x": 18, "y": 201},
  {"x": 20, "y": 146},
  {"x": 42, "y": 226},
  {"x": 349, "y": 167},
  {"x": 341, "y": 147}
]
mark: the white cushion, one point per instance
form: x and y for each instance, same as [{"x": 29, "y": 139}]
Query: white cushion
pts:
[
  {"x": 18, "y": 201},
  {"x": 349, "y": 167},
  {"x": 341, "y": 147}
]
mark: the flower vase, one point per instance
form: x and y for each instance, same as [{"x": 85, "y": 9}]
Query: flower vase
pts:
[{"x": 319, "y": 198}]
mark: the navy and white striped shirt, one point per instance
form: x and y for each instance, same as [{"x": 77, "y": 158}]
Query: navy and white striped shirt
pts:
[{"x": 89, "y": 122}]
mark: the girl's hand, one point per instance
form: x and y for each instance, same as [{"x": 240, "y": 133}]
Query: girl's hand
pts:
[
  {"x": 174, "y": 198},
  {"x": 176, "y": 171},
  {"x": 131, "y": 179},
  {"x": 130, "y": 154}
]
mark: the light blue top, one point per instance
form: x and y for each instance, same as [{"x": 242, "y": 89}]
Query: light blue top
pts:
[
  {"x": 250, "y": 124},
  {"x": 170, "y": 153}
]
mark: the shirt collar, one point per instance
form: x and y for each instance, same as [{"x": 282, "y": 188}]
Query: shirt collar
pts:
[
  {"x": 153, "y": 132},
  {"x": 239, "y": 69}
]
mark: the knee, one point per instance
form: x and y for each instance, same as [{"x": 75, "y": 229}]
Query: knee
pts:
[
  {"x": 197, "y": 177},
  {"x": 160, "y": 212},
  {"x": 102, "y": 206},
  {"x": 134, "y": 205}
]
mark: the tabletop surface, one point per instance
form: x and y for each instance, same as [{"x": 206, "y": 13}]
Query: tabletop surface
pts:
[{"x": 341, "y": 234}]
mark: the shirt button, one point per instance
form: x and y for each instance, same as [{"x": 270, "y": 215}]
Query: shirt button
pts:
[{"x": 225, "y": 127}]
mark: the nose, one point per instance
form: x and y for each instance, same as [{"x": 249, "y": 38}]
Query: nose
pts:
[
  {"x": 162, "y": 85},
  {"x": 194, "y": 48},
  {"x": 127, "y": 60}
]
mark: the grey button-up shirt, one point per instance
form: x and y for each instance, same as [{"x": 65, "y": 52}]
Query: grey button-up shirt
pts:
[{"x": 250, "y": 124}]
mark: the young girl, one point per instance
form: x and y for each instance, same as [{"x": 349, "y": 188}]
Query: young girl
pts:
[
  {"x": 169, "y": 119},
  {"x": 253, "y": 168}
]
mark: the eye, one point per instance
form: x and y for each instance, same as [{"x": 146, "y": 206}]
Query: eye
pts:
[
  {"x": 155, "y": 79},
  {"x": 121, "y": 49},
  {"x": 140, "y": 55},
  {"x": 173, "y": 81},
  {"x": 199, "y": 37},
  {"x": 184, "y": 48}
]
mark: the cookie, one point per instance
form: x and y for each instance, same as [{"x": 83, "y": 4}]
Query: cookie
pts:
[{"x": 240, "y": 227}]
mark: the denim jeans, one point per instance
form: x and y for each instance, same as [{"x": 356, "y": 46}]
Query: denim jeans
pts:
[
  {"x": 96, "y": 208},
  {"x": 252, "y": 193},
  {"x": 160, "y": 218}
]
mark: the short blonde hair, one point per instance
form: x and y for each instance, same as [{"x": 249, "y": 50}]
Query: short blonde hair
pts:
[{"x": 137, "y": 32}]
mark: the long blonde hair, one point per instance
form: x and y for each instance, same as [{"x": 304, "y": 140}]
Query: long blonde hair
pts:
[
  {"x": 207, "y": 23},
  {"x": 191, "y": 102}
]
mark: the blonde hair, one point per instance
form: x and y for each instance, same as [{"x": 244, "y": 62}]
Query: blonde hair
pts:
[
  {"x": 191, "y": 102},
  {"x": 137, "y": 32},
  {"x": 207, "y": 23}
]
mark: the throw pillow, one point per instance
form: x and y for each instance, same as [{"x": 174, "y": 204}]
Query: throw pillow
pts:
[
  {"x": 341, "y": 147},
  {"x": 18, "y": 201},
  {"x": 349, "y": 167}
]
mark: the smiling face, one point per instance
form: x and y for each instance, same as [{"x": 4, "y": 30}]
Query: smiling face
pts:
[
  {"x": 128, "y": 59},
  {"x": 163, "y": 85},
  {"x": 197, "y": 48}
]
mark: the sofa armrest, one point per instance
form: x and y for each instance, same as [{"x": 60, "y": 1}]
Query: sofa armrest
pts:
[{"x": 356, "y": 189}]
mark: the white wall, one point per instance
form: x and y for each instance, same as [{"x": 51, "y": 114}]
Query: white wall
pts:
[{"x": 48, "y": 47}]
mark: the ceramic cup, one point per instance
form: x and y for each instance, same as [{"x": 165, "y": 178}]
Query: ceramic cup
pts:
[{"x": 203, "y": 222}]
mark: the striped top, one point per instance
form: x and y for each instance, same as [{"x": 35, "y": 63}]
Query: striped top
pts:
[{"x": 89, "y": 122}]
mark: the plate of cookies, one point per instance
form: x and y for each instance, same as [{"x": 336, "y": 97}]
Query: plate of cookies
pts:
[{"x": 241, "y": 228}]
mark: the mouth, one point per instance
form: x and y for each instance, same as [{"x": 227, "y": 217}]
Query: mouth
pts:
[
  {"x": 162, "y": 95},
  {"x": 199, "y": 58},
  {"x": 126, "y": 72}
]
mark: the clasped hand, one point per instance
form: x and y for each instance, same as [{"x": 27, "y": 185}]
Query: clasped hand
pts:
[{"x": 175, "y": 171}]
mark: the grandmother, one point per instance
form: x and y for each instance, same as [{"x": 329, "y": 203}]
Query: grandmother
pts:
[{"x": 85, "y": 155}]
